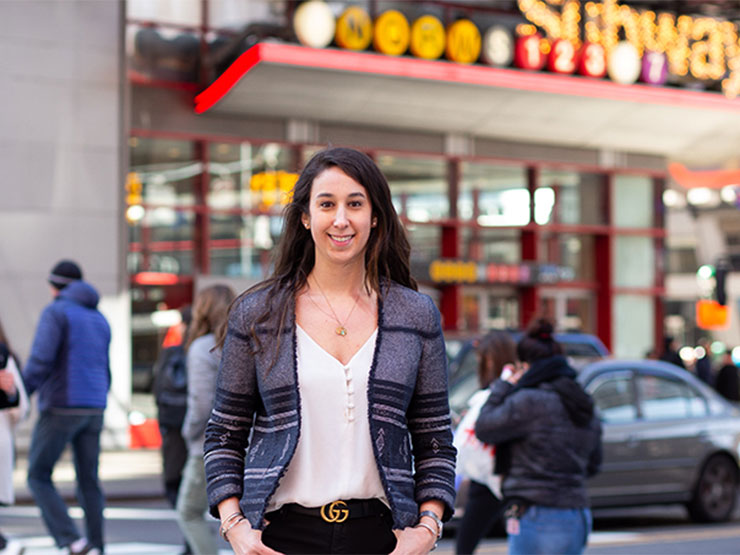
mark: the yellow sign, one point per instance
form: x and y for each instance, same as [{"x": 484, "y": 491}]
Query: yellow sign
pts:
[
  {"x": 463, "y": 42},
  {"x": 427, "y": 37},
  {"x": 454, "y": 271},
  {"x": 273, "y": 187},
  {"x": 392, "y": 34},
  {"x": 354, "y": 29},
  {"x": 133, "y": 189}
]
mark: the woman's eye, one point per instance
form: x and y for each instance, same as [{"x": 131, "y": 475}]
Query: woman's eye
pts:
[{"x": 325, "y": 204}]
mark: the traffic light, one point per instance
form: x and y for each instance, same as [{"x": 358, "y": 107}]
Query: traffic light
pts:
[{"x": 720, "y": 276}]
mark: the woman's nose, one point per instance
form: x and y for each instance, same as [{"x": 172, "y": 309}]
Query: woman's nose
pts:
[{"x": 340, "y": 218}]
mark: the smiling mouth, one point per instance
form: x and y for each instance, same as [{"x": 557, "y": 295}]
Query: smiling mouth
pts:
[{"x": 341, "y": 239}]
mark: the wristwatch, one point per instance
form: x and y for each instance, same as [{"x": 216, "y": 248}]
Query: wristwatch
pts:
[{"x": 436, "y": 519}]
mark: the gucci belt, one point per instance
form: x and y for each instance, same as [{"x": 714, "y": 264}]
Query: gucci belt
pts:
[{"x": 336, "y": 511}]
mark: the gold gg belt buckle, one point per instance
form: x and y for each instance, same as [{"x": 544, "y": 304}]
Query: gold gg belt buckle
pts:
[{"x": 335, "y": 511}]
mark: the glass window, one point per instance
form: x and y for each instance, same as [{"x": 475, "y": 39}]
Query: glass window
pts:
[
  {"x": 633, "y": 201},
  {"x": 575, "y": 252},
  {"x": 500, "y": 246},
  {"x": 633, "y": 322},
  {"x": 418, "y": 186},
  {"x": 568, "y": 197},
  {"x": 662, "y": 398},
  {"x": 181, "y": 12},
  {"x": 425, "y": 243},
  {"x": 614, "y": 398},
  {"x": 494, "y": 195},
  {"x": 251, "y": 177},
  {"x": 634, "y": 261},
  {"x": 242, "y": 245},
  {"x": 248, "y": 188},
  {"x": 167, "y": 170}
]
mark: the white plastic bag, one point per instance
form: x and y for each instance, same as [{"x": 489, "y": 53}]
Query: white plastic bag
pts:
[{"x": 475, "y": 459}]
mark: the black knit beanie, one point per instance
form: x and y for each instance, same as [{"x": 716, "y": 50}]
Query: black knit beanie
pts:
[{"x": 64, "y": 273}]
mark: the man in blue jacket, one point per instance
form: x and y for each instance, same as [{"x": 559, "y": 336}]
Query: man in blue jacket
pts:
[{"x": 69, "y": 367}]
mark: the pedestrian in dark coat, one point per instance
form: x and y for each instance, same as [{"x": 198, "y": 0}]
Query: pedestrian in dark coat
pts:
[
  {"x": 548, "y": 441},
  {"x": 727, "y": 382},
  {"x": 670, "y": 352}
]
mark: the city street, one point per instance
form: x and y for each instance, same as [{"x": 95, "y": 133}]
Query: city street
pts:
[{"x": 147, "y": 526}]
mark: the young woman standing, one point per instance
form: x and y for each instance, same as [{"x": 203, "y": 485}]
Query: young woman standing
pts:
[{"x": 337, "y": 366}]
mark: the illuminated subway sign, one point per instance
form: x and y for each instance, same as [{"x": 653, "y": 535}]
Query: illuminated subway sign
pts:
[{"x": 704, "y": 47}]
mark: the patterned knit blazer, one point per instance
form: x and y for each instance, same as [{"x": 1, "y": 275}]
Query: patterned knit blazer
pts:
[{"x": 407, "y": 405}]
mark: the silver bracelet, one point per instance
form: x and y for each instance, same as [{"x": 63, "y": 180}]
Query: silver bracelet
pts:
[{"x": 225, "y": 531}]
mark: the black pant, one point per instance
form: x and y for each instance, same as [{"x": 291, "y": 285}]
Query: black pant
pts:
[
  {"x": 290, "y": 532},
  {"x": 482, "y": 510}
]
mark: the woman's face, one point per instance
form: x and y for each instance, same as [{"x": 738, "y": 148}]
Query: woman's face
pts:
[{"x": 339, "y": 218}]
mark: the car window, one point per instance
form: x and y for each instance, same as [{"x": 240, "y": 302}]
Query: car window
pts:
[
  {"x": 662, "y": 398},
  {"x": 466, "y": 366},
  {"x": 461, "y": 393},
  {"x": 585, "y": 350},
  {"x": 614, "y": 397}
]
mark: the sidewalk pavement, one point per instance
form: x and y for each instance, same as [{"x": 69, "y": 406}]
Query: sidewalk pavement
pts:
[{"x": 125, "y": 474}]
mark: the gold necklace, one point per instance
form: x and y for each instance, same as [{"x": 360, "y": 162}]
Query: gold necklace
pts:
[{"x": 341, "y": 330}]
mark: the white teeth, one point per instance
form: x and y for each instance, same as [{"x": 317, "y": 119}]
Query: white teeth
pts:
[{"x": 341, "y": 239}]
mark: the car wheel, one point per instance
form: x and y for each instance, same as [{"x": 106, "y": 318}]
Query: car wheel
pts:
[{"x": 716, "y": 491}]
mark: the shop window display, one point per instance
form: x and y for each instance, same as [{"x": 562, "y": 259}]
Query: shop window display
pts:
[
  {"x": 493, "y": 195},
  {"x": 569, "y": 197}
]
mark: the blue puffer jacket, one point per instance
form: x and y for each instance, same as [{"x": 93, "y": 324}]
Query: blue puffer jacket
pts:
[{"x": 69, "y": 362}]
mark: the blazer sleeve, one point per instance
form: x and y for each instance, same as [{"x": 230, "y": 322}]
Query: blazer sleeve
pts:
[
  {"x": 429, "y": 420},
  {"x": 227, "y": 431}
]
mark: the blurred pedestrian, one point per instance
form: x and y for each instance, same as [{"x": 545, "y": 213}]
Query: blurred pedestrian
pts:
[
  {"x": 483, "y": 506},
  {"x": 670, "y": 352},
  {"x": 14, "y": 407},
  {"x": 69, "y": 366},
  {"x": 703, "y": 366},
  {"x": 337, "y": 367},
  {"x": 171, "y": 396},
  {"x": 727, "y": 383},
  {"x": 209, "y": 315},
  {"x": 548, "y": 441}
]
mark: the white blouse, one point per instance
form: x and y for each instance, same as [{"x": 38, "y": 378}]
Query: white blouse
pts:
[{"x": 334, "y": 457}]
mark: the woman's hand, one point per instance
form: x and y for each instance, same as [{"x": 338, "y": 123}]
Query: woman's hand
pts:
[
  {"x": 414, "y": 541},
  {"x": 246, "y": 541},
  {"x": 7, "y": 382}
]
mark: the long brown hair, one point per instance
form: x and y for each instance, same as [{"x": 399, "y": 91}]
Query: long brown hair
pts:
[
  {"x": 386, "y": 254},
  {"x": 495, "y": 350},
  {"x": 209, "y": 312}
]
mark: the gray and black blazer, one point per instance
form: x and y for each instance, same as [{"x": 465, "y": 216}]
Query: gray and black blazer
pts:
[{"x": 407, "y": 399}]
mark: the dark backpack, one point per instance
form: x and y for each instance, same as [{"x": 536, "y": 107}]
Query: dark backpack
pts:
[{"x": 171, "y": 386}]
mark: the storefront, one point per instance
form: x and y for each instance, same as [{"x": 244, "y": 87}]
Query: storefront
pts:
[{"x": 523, "y": 193}]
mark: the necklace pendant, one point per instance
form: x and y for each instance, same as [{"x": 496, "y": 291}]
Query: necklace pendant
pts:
[{"x": 341, "y": 330}]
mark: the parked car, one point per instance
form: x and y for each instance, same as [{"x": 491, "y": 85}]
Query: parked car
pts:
[
  {"x": 667, "y": 438},
  {"x": 580, "y": 348}
]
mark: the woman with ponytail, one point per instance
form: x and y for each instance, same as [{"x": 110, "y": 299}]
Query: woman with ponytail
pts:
[{"x": 548, "y": 441}]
